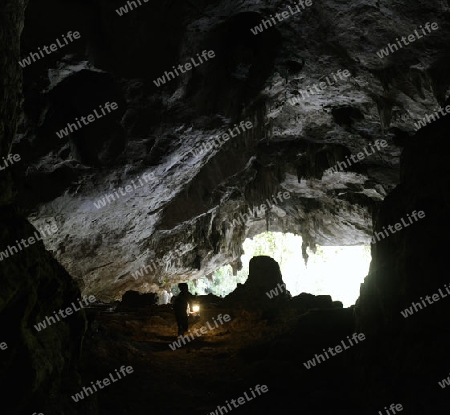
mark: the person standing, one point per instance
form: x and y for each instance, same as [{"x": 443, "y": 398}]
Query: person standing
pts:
[{"x": 180, "y": 306}]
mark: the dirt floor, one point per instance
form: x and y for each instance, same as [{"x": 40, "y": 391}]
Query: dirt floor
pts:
[{"x": 259, "y": 347}]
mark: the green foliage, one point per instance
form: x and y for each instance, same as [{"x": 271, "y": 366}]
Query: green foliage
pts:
[
  {"x": 286, "y": 249},
  {"x": 223, "y": 282}
]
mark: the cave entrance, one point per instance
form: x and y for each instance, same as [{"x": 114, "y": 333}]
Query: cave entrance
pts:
[{"x": 334, "y": 270}]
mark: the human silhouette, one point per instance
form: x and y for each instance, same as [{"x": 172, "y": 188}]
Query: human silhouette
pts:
[{"x": 180, "y": 305}]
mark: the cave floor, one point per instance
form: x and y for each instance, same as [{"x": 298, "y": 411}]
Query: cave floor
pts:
[{"x": 223, "y": 364}]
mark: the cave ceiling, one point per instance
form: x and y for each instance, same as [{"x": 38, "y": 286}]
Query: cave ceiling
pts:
[{"x": 195, "y": 193}]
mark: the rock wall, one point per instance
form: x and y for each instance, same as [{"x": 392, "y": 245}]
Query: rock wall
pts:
[
  {"x": 188, "y": 219},
  {"x": 182, "y": 225},
  {"x": 37, "y": 369},
  {"x": 406, "y": 267}
]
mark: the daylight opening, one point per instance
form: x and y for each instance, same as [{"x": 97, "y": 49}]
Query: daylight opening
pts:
[{"x": 334, "y": 270}]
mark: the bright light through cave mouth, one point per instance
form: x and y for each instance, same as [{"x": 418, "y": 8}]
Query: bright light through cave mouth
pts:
[{"x": 334, "y": 270}]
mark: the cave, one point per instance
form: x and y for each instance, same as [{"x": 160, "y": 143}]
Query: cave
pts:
[{"x": 141, "y": 145}]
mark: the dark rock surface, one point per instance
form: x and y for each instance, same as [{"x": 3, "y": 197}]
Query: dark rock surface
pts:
[
  {"x": 194, "y": 199},
  {"x": 205, "y": 195},
  {"x": 252, "y": 348},
  {"x": 263, "y": 288},
  {"x": 36, "y": 366},
  {"x": 133, "y": 299},
  {"x": 407, "y": 267}
]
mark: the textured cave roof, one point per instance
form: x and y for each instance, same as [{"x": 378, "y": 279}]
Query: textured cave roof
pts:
[{"x": 185, "y": 216}]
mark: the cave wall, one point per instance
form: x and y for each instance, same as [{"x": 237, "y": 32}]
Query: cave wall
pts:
[
  {"x": 36, "y": 368},
  {"x": 195, "y": 199},
  {"x": 185, "y": 216},
  {"x": 406, "y": 267}
]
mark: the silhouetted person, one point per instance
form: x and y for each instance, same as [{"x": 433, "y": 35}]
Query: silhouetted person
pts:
[{"x": 180, "y": 305}]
